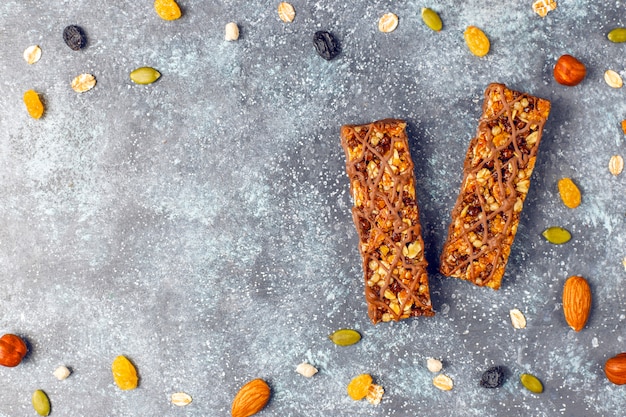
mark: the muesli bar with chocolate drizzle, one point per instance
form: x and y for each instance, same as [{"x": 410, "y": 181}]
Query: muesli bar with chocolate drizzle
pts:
[
  {"x": 386, "y": 216},
  {"x": 496, "y": 178}
]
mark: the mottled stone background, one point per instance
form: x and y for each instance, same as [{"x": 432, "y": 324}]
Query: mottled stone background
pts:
[{"x": 201, "y": 225}]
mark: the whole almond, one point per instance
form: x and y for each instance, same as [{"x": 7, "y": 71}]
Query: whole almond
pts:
[
  {"x": 576, "y": 302},
  {"x": 251, "y": 398},
  {"x": 615, "y": 369}
]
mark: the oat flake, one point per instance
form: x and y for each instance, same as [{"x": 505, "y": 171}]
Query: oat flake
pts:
[
  {"x": 616, "y": 165},
  {"x": 286, "y": 12},
  {"x": 388, "y": 23},
  {"x": 517, "y": 318},
  {"x": 32, "y": 54}
]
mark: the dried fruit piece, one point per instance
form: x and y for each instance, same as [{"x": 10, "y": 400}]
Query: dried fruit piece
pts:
[
  {"x": 231, "y": 32},
  {"x": 492, "y": 377},
  {"x": 286, "y": 12},
  {"x": 359, "y": 386},
  {"x": 32, "y": 54},
  {"x": 531, "y": 383},
  {"x": 83, "y": 82},
  {"x": 145, "y": 75},
  {"x": 41, "y": 403},
  {"x": 476, "y": 41},
  {"x": 431, "y": 19},
  {"x": 617, "y": 35},
  {"x": 543, "y": 7},
  {"x": 124, "y": 373},
  {"x": 517, "y": 318},
  {"x": 556, "y": 235},
  {"x": 569, "y": 71},
  {"x": 181, "y": 399},
  {"x": 576, "y": 302},
  {"x": 33, "y": 103},
  {"x": 167, "y": 9},
  {"x": 74, "y": 37},
  {"x": 434, "y": 365},
  {"x": 613, "y": 79},
  {"x": 443, "y": 382},
  {"x": 615, "y": 369},
  {"x": 570, "y": 194},
  {"x": 388, "y": 22},
  {"x": 306, "y": 369},
  {"x": 616, "y": 165},
  {"x": 251, "y": 398},
  {"x": 374, "y": 394},
  {"x": 345, "y": 337},
  {"x": 624, "y": 126},
  {"x": 12, "y": 350},
  {"x": 61, "y": 373},
  {"x": 325, "y": 44}
]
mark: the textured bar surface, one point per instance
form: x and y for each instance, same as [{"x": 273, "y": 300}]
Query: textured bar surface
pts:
[
  {"x": 496, "y": 178},
  {"x": 386, "y": 217}
]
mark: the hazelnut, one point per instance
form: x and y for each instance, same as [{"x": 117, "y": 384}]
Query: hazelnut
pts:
[
  {"x": 615, "y": 369},
  {"x": 569, "y": 71}
]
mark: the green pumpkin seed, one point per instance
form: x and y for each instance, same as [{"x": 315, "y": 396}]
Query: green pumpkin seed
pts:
[
  {"x": 557, "y": 235},
  {"x": 345, "y": 337},
  {"x": 617, "y": 35},
  {"x": 145, "y": 75},
  {"x": 41, "y": 403},
  {"x": 531, "y": 383},
  {"x": 432, "y": 19}
]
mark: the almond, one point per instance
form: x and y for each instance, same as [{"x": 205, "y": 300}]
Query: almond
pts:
[
  {"x": 576, "y": 302},
  {"x": 251, "y": 398},
  {"x": 615, "y": 369}
]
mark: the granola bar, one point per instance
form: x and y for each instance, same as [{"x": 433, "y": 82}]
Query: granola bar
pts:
[
  {"x": 386, "y": 217},
  {"x": 496, "y": 177}
]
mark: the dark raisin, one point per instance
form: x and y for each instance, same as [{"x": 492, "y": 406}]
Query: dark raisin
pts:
[
  {"x": 326, "y": 45},
  {"x": 74, "y": 37},
  {"x": 492, "y": 377}
]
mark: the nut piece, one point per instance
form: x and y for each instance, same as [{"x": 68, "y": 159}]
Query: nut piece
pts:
[
  {"x": 231, "y": 32},
  {"x": 388, "y": 23},
  {"x": 569, "y": 71},
  {"x": 83, "y": 82},
  {"x": 12, "y": 350},
  {"x": 443, "y": 382},
  {"x": 615, "y": 369},
  {"x": 286, "y": 12},
  {"x": 613, "y": 79},
  {"x": 543, "y": 7},
  {"x": 576, "y": 302},
  {"x": 181, "y": 399},
  {"x": 251, "y": 398},
  {"x": 61, "y": 373},
  {"x": 374, "y": 394},
  {"x": 517, "y": 319},
  {"x": 306, "y": 369},
  {"x": 32, "y": 54},
  {"x": 434, "y": 365},
  {"x": 616, "y": 165}
]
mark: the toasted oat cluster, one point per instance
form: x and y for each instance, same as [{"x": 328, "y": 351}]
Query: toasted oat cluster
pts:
[
  {"x": 498, "y": 166},
  {"x": 386, "y": 217}
]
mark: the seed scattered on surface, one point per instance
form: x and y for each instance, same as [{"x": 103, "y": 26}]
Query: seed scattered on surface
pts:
[
  {"x": 74, "y": 37},
  {"x": 434, "y": 365},
  {"x": 325, "y": 44},
  {"x": 616, "y": 165},
  {"x": 556, "y": 235},
  {"x": 543, "y": 7},
  {"x": 531, "y": 383},
  {"x": 569, "y": 192},
  {"x": 345, "y": 337},
  {"x": 167, "y": 9},
  {"x": 124, "y": 373},
  {"x": 431, "y": 19},
  {"x": 286, "y": 12},
  {"x": 388, "y": 23},
  {"x": 145, "y": 75},
  {"x": 181, "y": 399},
  {"x": 476, "y": 40},
  {"x": 83, "y": 82},
  {"x": 32, "y": 54},
  {"x": 443, "y": 382},
  {"x": 306, "y": 369},
  {"x": 231, "y": 31},
  {"x": 33, "y": 103},
  {"x": 617, "y": 35},
  {"x": 613, "y": 79},
  {"x": 61, "y": 373},
  {"x": 517, "y": 318},
  {"x": 41, "y": 403},
  {"x": 492, "y": 377}
]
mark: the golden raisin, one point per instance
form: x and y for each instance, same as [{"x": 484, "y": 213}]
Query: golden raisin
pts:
[
  {"x": 570, "y": 194},
  {"x": 167, "y": 9},
  {"x": 359, "y": 386},
  {"x": 33, "y": 104},
  {"x": 476, "y": 41},
  {"x": 124, "y": 373}
]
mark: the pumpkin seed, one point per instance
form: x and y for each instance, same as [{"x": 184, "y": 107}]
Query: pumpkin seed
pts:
[
  {"x": 145, "y": 75},
  {"x": 617, "y": 35},
  {"x": 431, "y": 19},
  {"x": 557, "y": 235},
  {"x": 41, "y": 403},
  {"x": 345, "y": 337},
  {"x": 531, "y": 383}
]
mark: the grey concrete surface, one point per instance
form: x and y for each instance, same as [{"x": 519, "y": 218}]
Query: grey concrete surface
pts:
[{"x": 200, "y": 225}]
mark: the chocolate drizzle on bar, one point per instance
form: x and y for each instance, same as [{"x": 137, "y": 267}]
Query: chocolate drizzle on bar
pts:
[
  {"x": 496, "y": 178},
  {"x": 386, "y": 217}
]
